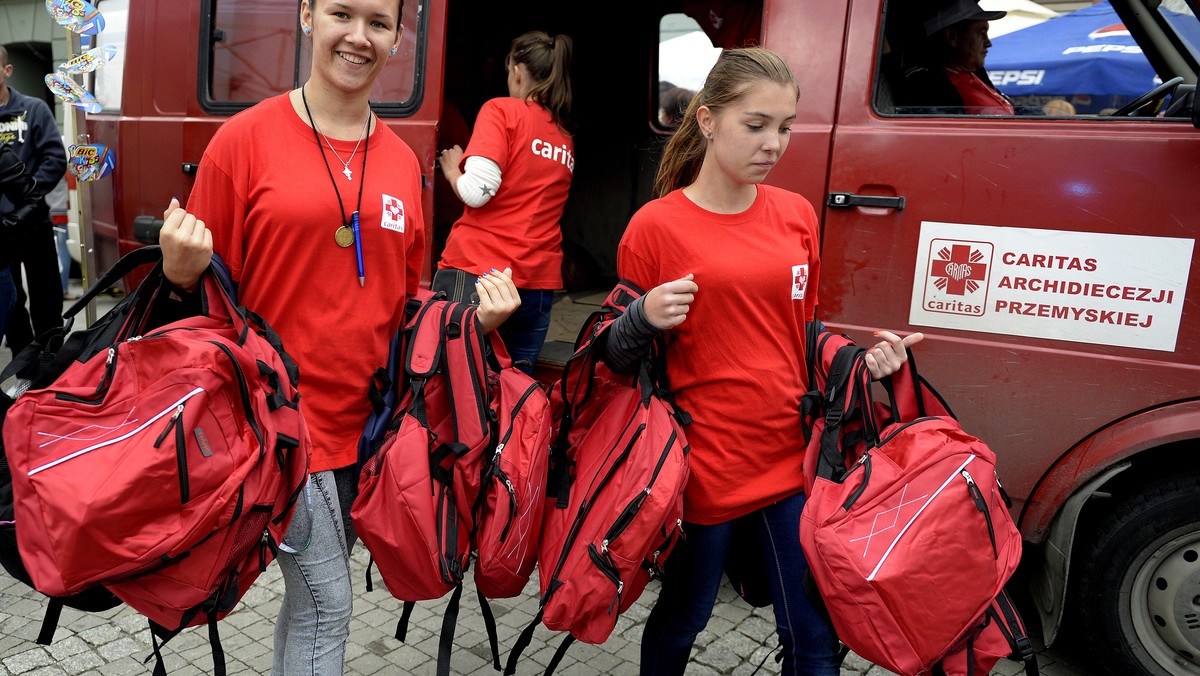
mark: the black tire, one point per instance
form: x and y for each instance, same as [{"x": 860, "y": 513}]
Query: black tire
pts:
[{"x": 1138, "y": 589}]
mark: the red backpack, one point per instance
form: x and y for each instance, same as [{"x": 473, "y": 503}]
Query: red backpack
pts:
[
  {"x": 615, "y": 498},
  {"x": 510, "y": 497},
  {"x": 906, "y": 528},
  {"x": 474, "y": 429},
  {"x": 166, "y": 467}
]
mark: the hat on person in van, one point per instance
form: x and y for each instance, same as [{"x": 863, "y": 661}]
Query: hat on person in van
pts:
[{"x": 946, "y": 14}]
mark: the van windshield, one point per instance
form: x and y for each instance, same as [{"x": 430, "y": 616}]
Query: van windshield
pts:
[{"x": 1182, "y": 18}]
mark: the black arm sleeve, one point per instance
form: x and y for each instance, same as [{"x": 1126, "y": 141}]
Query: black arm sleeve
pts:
[{"x": 629, "y": 339}]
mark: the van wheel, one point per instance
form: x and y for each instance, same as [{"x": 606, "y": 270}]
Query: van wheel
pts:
[{"x": 1138, "y": 594}]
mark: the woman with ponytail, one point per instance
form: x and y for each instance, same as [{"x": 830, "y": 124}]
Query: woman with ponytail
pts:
[
  {"x": 739, "y": 261},
  {"x": 513, "y": 179}
]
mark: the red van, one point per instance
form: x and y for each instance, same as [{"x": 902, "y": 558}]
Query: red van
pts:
[{"x": 1046, "y": 257}]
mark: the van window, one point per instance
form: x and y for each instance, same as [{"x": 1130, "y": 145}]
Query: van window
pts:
[
  {"x": 106, "y": 81},
  {"x": 253, "y": 49},
  {"x": 689, "y": 43},
  {"x": 1084, "y": 62},
  {"x": 685, "y": 55}
]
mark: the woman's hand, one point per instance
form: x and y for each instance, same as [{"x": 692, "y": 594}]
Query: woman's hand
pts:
[
  {"x": 667, "y": 304},
  {"x": 889, "y": 354},
  {"x": 498, "y": 298},
  {"x": 448, "y": 160},
  {"x": 186, "y": 247}
]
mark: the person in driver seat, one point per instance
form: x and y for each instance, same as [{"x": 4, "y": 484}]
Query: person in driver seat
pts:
[{"x": 948, "y": 74}]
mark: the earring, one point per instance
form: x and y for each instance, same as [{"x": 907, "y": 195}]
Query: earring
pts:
[
  {"x": 307, "y": 30},
  {"x": 393, "y": 51},
  {"x": 708, "y": 136}
]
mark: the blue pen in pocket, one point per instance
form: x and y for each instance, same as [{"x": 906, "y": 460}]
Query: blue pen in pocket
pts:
[{"x": 358, "y": 248}]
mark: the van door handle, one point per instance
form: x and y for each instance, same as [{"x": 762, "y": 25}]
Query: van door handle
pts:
[
  {"x": 145, "y": 229},
  {"x": 849, "y": 199},
  {"x": 190, "y": 168}
]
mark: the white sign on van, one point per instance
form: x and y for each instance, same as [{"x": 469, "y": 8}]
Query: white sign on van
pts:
[{"x": 1124, "y": 290}]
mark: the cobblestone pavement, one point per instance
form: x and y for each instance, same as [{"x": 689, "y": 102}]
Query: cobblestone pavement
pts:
[{"x": 117, "y": 642}]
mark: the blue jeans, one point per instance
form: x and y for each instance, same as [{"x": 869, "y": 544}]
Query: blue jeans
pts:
[
  {"x": 314, "y": 619},
  {"x": 525, "y": 331},
  {"x": 8, "y": 296},
  {"x": 689, "y": 590}
]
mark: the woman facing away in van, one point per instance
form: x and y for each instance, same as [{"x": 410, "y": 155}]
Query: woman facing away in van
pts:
[
  {"x": 514, "y": 182},
  {"x": 739, "y": 261},
  {"x": 282, "y": 187}
]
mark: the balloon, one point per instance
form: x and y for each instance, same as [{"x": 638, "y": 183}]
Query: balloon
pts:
[
  {"x": 91, "y": 162},
  {"x": 70, "y": 92},
  {"x": 89, "y": 60},
  {"x": 79, "y": 16}
]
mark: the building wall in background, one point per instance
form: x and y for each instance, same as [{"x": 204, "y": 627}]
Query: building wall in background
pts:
[{"x": 27, "y": 25}]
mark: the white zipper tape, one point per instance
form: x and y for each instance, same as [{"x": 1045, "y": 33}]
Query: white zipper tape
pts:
[
  {"x": 89, "y": 449},
  {"x": 917, "y": 515}
]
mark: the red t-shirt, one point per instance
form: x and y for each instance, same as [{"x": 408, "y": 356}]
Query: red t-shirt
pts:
[
  {"x": 519, "y": 225},
  {"x": 738, "y": 363},
  {"x": 266, "y": 195},
  {"x": 978, "y": 98}
]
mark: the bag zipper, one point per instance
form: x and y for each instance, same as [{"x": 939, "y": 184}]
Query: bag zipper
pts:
[
  {"x": 114, "y": 440},
  {"x": 498, "y": 473},
  {"x": 627, "y": 515},
  {"x": 605, "y": 564},
  {"x": 981, "y": 505},
  {"x": 110, "y": 367},
  {"x": 585, "y": 506},
  {"x": 176, "y": 423},
  {"x": 244, "y": 390}
]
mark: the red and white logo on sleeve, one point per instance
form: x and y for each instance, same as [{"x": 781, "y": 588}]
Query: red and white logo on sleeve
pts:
[
  {"x": 393, "y": 213},
  {"x": 799, "y": 281}
]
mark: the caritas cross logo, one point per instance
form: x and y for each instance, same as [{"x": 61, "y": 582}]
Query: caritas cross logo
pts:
[
  {"x": 957, "y": 277},
  {"x": 799, "y": 281}
]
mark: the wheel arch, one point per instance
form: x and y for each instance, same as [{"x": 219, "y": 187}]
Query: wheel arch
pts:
[{"x": 1110, "y": 462}]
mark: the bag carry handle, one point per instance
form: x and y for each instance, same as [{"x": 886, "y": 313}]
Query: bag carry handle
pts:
[{"x": 127, "y": 264}]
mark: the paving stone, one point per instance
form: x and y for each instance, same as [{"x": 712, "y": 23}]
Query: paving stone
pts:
[{"x": 28, "y": 660}]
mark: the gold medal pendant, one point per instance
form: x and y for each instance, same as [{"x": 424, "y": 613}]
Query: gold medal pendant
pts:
[{"x": 344, "y": 236}]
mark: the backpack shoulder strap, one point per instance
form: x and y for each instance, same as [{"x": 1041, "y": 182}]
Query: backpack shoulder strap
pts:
[
  {"x": 841, "y": 396},
  {"x": 464, "y": 363},
  {"x": 422, "y": 357},
  {"x": 821, "y": 346},
  {"x": 624, "y": 293},
  {"x": 1004, "y": 613}
]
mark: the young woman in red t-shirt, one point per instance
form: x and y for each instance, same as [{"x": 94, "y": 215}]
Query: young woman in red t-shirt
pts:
[
  {"x": 270, "y": 200},
  {"x": 739, "y": 261},
  {"x": 514, "y": 181}
]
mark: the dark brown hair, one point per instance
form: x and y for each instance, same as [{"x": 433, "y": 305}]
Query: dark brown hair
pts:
[{"x": 548, "y": 61}]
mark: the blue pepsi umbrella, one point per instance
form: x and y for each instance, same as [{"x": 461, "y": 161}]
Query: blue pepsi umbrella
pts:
[{"x": 1087, "y": 57}]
